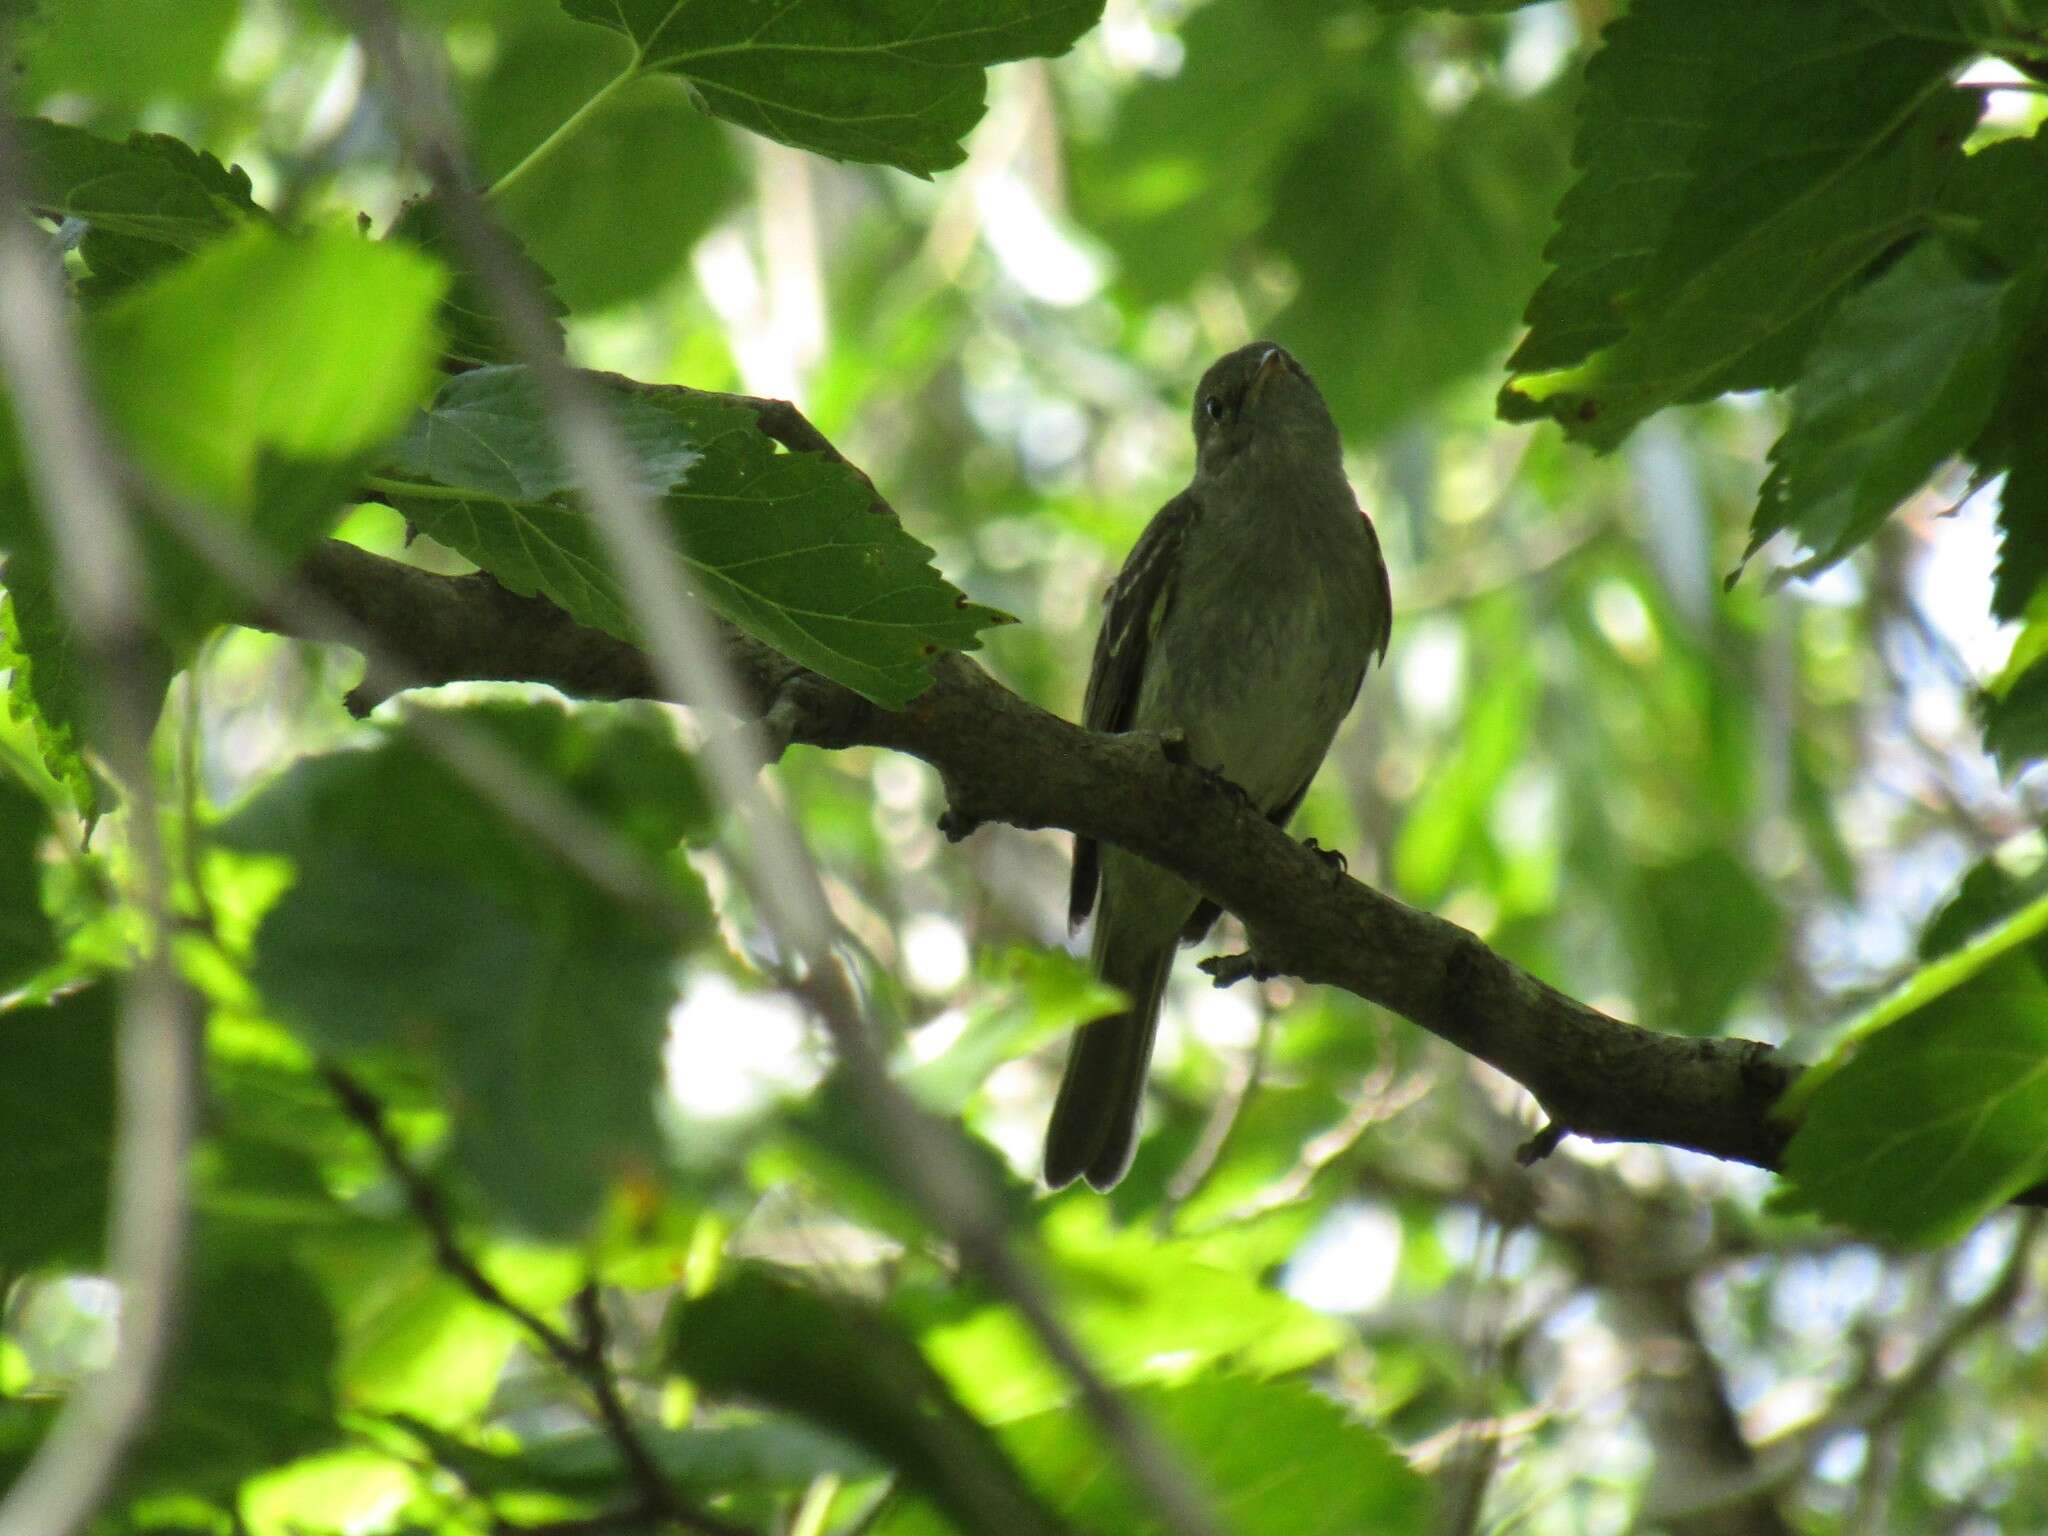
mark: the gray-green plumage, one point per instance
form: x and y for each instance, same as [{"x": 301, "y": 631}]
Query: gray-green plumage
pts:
[{"x": 1244, "y": 619}]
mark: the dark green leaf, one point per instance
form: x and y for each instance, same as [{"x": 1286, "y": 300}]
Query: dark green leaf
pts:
[
  {"x": 470, "y": 332},
  {"x": 1278, "y": 1459},
  {"x": 27, "y": 941},
  {"x": 1740, "y": 167},
  {"x": 422, "y": 917},
  {"x": 786, "y": 545},
  {"x": 1902, "y": 377},
  {"x": 2014, "y": 714},
  {"x": 249, "y": 1382},
  {"x": 845, "y": 1367},
  {"x": 56, "y": 1131},
  {"x": 147, "y": 201},
  {"x": 894, "y": 81},
  {"x": 1937, "y": 1118}
]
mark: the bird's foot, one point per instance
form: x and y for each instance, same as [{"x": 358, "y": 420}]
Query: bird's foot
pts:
[
  {"x": 1229, "y": 970},
  {"x": 1330, "y": 856},
  {"x": 1542, "y": 1144},
  {"x": 1173, "y": 746}
]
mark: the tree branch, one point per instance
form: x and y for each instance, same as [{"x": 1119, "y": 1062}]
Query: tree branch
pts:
[{"x": 1004, "y": 759}]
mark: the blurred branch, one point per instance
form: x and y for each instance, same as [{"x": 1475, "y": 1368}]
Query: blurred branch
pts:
[
  {"x": 100, "y": 577},
  {"x": 584, "y": 1357}
]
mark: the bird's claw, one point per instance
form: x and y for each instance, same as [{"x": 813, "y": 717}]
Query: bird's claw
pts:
[
  {"x": 1173, "y": 746},
  {"x": 1330, "y": 856},
  {"x": 957, "y": 824}
]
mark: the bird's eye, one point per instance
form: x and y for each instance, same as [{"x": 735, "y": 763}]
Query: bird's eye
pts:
[{"x": 1214, "y": 406}]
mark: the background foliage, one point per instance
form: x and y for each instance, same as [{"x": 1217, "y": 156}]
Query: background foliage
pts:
[{"x": 495, "y": 1160}]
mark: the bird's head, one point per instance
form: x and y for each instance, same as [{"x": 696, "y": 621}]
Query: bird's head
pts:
[{"x": 1259, "y": 402}]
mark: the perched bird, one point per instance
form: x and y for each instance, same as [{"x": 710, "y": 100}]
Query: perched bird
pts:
[{"x": 1243, "y": 620}]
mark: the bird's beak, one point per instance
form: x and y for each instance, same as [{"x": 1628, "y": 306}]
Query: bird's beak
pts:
[{"x": 1271, "y": 366}]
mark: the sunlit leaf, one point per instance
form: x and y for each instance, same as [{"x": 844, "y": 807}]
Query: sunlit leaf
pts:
[{"x": 1277, "y": 1459}]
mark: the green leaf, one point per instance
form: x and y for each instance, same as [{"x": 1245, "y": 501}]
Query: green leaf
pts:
[
  {"x": 1740, "y": 168},
  {"x": 1938, "y": 1118},
  {"x": 56, "y": 1131},
  {"x": 1706, "y": 929},
  {"x": 248, "y": 1384},
  {"x": 713, "y": 1458},
  {"x": 613, "y": 209},
  {"x": 48, "y": 686},
  {"x": 1902, "y": 377},
  {"x": 786, "y": 545},
  {"x": 423, "y": 918},
  {"x": 471, "y": 334},
  {"x": 1146, "y": 1310},
  {"x": 265, "y": 351},
  {"x": 899, "y": 82},
  {"x": 846, "y": 1367},
  {"x": 251, "y": 378},
  {"x": 146, "y": 202},
  {"x": 27, "y": 941},
  {"x": 1278, "y": 1460},
  {"x": 124, "y": 51},
  {"x": 1415, "y": 276}
]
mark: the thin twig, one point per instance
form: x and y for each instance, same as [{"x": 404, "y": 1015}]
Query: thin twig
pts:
[{"x": 584, "y": 1357}]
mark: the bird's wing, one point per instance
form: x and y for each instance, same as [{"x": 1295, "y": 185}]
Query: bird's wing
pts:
[{"x": 1138, "y": 600}]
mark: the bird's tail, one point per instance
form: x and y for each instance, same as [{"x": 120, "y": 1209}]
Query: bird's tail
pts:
[{"x": 1094, "y": 1124}]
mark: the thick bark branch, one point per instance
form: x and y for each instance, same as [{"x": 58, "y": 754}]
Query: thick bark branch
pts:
[{"x": 1004, "y": 759}]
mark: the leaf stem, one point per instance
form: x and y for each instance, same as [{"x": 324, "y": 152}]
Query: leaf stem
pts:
[{"x": 565, "y": 130}]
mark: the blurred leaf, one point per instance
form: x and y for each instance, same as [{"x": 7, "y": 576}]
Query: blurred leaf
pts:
[
  {"x": 1448, "y": 818},
  {"x": 894, "y": 81},
  {"x": 1739, "y": 168},
  {"x": 1277, "y": 1459},
  {"x": 423, "y": 917},
  {"x": 1416, "y": 275},
  {"x": 250, "y": 378},
  {"x": 27, "y": 940},
  {"x": 1707, "y": 929},
  {"x": 712, "y": 1458},
  {"x": 471, "y": 334},
  {"x": 422, "y": 1345},
  {"x": 1902, "y": 376},
  {"x": 614, "y": 209},
  {"x": 56, "y": 1131},
  {"x": 123, "y": 51},
  {"x": 248, "y": 1382},
  {"x": 1145, "y": 1309},
  {"x": 786, "y": 545},
  {"x": 147, "y": 202},
  {"x": 845, "y": 1367},
  {"x": 1026, "y": 997},
  {"x": 1186, "y": 169}
]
